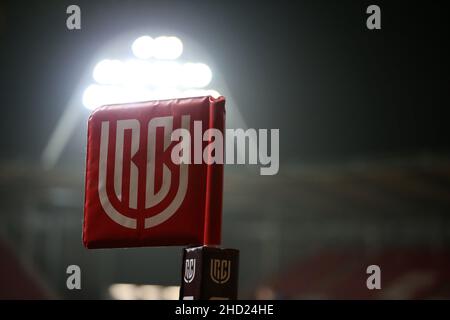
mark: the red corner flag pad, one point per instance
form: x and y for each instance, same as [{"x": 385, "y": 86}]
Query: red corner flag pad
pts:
[{"x": 136, "y": 195}]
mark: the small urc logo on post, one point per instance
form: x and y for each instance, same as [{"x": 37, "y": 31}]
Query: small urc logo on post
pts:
[
  {"x": 74, "y": 280},
  {"x": 73, "y": 21},
  {"x": 374, "y": 20},
  {"x": 189, "y": 270},
  {"x": 374, "y": 280},
  {"x": 220, "y": 270}
]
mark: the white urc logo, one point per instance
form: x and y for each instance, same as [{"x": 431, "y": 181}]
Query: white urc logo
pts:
[
  {"x": 152, "y": 198},
  {"x": 189, "y": 270}
]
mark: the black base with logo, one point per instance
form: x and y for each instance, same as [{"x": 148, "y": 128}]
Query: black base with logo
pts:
[{"x": 209, "y": 273}]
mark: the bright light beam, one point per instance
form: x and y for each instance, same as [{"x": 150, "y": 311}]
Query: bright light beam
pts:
[
  {"x": 98, "y": 95},
  {"x": 157, "y": 74}
]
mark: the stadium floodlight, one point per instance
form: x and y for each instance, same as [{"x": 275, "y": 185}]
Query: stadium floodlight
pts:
[
  {"x": 97, "y": 95},
  {"x": 169, "y": 48},
  {"x": 164, "y": 48},
  {"x": 196, "y": 75},
  {"x": 142, "y": 47},
  {"x": 162, "y": 74},
  {"x": 142, "y": 77},
  {"x": 109, "y": 71},
  {"x": 156, "y": 74}
]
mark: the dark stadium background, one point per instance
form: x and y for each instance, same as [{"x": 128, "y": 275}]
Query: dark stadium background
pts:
[{"x": 364, "y": 140}]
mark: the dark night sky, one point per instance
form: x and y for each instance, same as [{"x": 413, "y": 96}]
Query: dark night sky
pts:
[{"x": 312, "y": 69}]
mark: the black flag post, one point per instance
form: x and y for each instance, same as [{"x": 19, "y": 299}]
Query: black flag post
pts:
[{"x": 209, "y": 273}]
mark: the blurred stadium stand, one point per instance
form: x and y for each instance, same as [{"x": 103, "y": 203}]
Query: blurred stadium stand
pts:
[
  {"x": 17, "y": 280},
  {"x": 406, "y": 274},
  {"x": 309, "y": 232}
]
